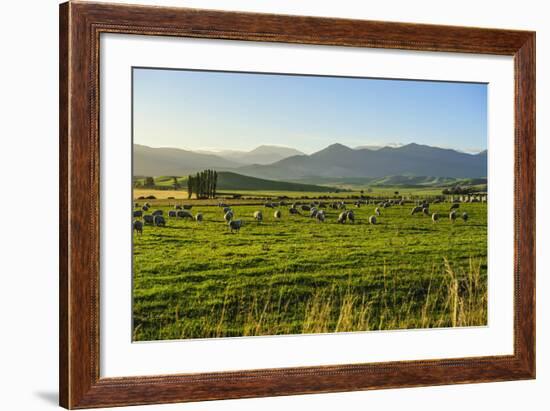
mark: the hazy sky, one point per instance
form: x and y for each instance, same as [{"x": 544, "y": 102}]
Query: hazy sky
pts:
[{"x": 240, "y": 111}]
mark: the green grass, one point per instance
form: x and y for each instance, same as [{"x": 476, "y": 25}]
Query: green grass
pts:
[{"x": 293, "y": 276}]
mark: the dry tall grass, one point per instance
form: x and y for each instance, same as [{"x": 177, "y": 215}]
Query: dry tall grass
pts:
[{"x": 459, "y": 300}]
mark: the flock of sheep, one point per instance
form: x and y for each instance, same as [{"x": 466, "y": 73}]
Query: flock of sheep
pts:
[{"x": 314, "y": 210}]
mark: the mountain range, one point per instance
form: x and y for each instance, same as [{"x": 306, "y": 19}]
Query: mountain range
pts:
[{"x": 334, "y": 161}]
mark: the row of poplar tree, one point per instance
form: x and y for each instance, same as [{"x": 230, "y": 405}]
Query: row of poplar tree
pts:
[{"x": 203, "y": 184}]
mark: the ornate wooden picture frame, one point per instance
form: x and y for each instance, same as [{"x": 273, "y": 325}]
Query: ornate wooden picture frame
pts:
[{"x": 81, "y": 25}]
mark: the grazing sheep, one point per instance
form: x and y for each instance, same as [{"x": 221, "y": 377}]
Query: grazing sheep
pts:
[
  {"x": 465, "y": 216},
  {"x": 138, "y": 213},
  {"x": 138, "y": 227},
  {"x": 401, "y": 202},
  {"x": 228, "y": 216},
  {"x": 147, "y": 205},
  {"x": 452, "y": 216},
  {"x": 306, "y": 208},
  {"x": 426, "y": 211},
  {"x": 454, "y": 206},
  {"x": 293, "y": 210},
  {"x": 386, "y": 204},
  {"x": 377, "y": 211},
  {"x": 268, "y": 205},
  {"x": 372, "y": 219},
  {"x": 416, "y": 209},
  {"x": 358, "y": 204},
  {"x": 187, "y": 206},
  {"x": 157, "y": 212},
  {"x": 351, "y": 216},
  {"x": 435, "y": 217},
  {"x": 227, "y": 210},
  {"x": 159, "y": 221},
  {"x": 172, "y": 213},
  {"x": 320, "y": 216},
  {"x": 177, "y": 207},
  {"x": 313, "y": 212},
  {"x": 258, "y": 216},
  {"x": 149, "y": 219},
  {"x": 198, "y": 217},
  {"x": 342, "y": 217},
  {"x": 277, "y": 214},
  {"x": 235, "y": 225},
  {"x": 184, "y": 214},
  {"x": 145, "y": 208}
]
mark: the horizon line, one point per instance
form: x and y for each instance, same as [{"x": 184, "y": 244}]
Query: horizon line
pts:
[{"x": 215, "y": 151}]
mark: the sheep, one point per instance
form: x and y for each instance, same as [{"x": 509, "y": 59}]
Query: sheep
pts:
[
  {"x": 138, "y": 227},
  {"x": 268, "y": 205},
  {"x": 235, "y": 225},
  {"x": 465, "y": 216},
  {"x": 306, "y": 208},
  {"x": 452, "y": 216},
  {"x": 184, "y": 214},
  {"x": 228, "y": 216},
  {"x": 350, "y": 216},
  {"x": 293, "y": 210},
  {"x": 147, "y": 205},
  {"x": 172, "y": 213},
  {"x": 198, "y": 217},
  {"x": 426, "y": 211},
  {"x": 372, "y": 219},
  {"x": 401, "y": 202},
  {"x": 187, "y": 206},
  {"x": 435, "y": 217},
  {"x": 227, "y": 210},
  {"x": 136, "y": 205},
  {"x": 157, "y": 212},
  {"x": 416, "y": 209},
  {"x": 322, "y": 204},
  {"x": 386, "y": 204},
  {"x": 145, "y": 208},
  {"x": 454, "y": 206},
  {"x": 138, "y": 213},
  {"x": 177, "y": 207},
  {"x": 342, "y": 217},
  {"x": 320, "y": 216},
  {"x": 377, "y": 211},
  {"x": 277, "y": 214},
  {"x": 258, "y": 216},
  {"x": 159, "y": 220},
  {"x": 148, "y": 219},
  {"x": 357, "y": 204},
  {"x": 313, "y": 212}
]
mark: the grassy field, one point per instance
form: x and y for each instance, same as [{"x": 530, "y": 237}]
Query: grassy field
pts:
[{"x": 296, "y": 275}]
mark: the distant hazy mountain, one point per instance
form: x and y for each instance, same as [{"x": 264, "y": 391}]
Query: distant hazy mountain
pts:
[
  {"x": 260, "y": 155},
  {"x": 150, "y": 161},
  {"x": 338, "y": 160}
]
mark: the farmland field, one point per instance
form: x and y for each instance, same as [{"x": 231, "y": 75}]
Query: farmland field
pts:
[{"x": 297, "y": 275}]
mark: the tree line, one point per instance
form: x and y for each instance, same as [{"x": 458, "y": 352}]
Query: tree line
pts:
[{"x": 203, "y": 184}]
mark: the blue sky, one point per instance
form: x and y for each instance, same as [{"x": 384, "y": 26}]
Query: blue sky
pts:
[{"x": 240, "y": 111}]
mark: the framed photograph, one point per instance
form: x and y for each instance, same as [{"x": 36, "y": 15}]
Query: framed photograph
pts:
[{"x": 259, "y": 205}]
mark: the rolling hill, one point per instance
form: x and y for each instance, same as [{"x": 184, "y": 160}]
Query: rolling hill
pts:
[
  {"x": 150, "y": 161},
  {"x": 233, "y": 181}
]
